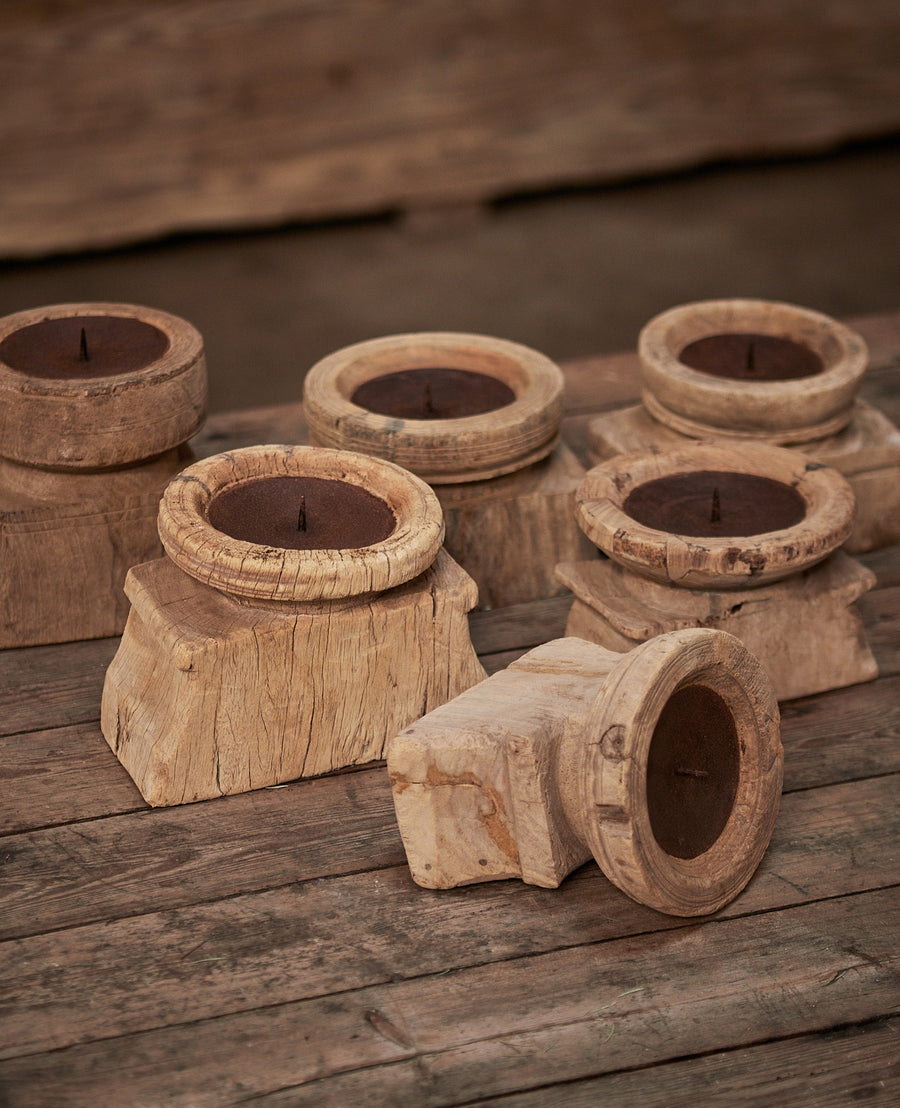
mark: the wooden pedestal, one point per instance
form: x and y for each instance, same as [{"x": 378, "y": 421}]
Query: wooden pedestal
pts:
[
  {"x": 67, "y": 540},
  {"x": 209, "y": 696},
  {"x": 866, "y": 452},
  {"x": 558, "y": 758},
  {"x": 805, "y": 629},
  {"x": 511, "y": 531},
  {"x": 96, "y": 403},
  {"x": 245, "y": 663}
]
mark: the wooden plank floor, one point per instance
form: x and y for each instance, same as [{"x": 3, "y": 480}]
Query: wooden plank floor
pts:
[{"x": 271, "y": 948}]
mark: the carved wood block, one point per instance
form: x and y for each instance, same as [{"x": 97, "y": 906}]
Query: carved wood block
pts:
[
  {"x": 510, "y": 532},
  {"x": 506, "y": 484},
  {"x": 96, "y": 401},
  {"x": 244, "y": 665},
  {"x": 665, "y": 764},
  {"x": 67, "y": 540},
  {"x": 806, "y": 629}
]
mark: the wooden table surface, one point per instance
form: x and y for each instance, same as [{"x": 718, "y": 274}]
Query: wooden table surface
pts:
[{"x": 271, "y": 948}]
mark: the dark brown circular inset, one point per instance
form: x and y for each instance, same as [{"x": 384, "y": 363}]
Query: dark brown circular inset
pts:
[
  {"x": 747, "y": 356},
  {"x": 693, "y": 767},
  {"x": 83, "y": 346},
  {"x": 433, "y": 393},
  {"x": 302, "y": 513},
  {"x": 715, "y": 503}
]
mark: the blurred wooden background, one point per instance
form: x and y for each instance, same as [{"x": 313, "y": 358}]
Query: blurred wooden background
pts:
[{"x": 124, "y": 120}]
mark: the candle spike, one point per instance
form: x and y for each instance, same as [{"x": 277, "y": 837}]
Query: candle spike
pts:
[
  {"x": 751, "y": 359},
  {"x": 715, "y": 514},
  {"x": 83, "y": 354},
  {"x": 429, "y": 403},
  {"x": 698, "y": 773},
  {"x": 301, "y": 516}
]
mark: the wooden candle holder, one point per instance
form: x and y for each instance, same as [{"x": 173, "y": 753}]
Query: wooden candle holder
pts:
[
  {"x": 795, "y": 385},
  {"x": 775, "y": 578},
  {"x": 478, "y": 419},
  {"x": 96, "y": 402},
  {"x": 664, "y": 764},
  {"x": 246, "y": 663}
]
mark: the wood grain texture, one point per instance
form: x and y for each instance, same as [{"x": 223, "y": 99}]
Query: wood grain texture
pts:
[
  {"x": 67, "y": 542},
  {"x": 831, "y": 1069},
  {"x": 489, "y": 1029},
  {"x": 501, "y": 440},
  {"x": 762, "y": 553},
  {"x": 700, "y": 404},
  {"x": 509, "y": 533},
  {"x": 208, "y": 697},
  {"x": 284, "y": 109},
  {"x": 808, "y": 630},
  {"x": 282, "y": 945},
  {"x": 547, "y": 763}
]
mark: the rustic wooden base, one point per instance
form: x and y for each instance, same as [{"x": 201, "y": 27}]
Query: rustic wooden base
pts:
[
  {"x": 805, "y": 629},
  {"x": 509, "y": 532},
  {"x": 67, "y": 540},
  {"x": 549, "y": 762},
  {"x": 209, "y": 696},
  {"x": 866, "y": 452}
]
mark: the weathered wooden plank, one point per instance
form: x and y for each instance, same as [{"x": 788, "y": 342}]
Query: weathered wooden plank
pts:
[
  {"x": 274, "y": 109},
  {"x": 519, "y": 625},
  {"x": 140, "y": 861},
  {"x": 52, "y": 686},
  {"x": 61, "y": 775},
  {"x": 828, "y": 1069},
  {"x": 884, "y": 563},
  {"x": 303, "y": 940},
  {"x": 515, "y": 1024},
  {"x": 881, "y": 616},
  {"x": 842, "y": 735}
]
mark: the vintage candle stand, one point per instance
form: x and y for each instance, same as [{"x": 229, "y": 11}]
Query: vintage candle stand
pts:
[
  {"x": 478, "y": 418},
  {"x": 96, "y": 402},
  {"x": 664, "y": 764},
  {"x": 757, "y": 370},
  {"x": 248, "y": 660},
  {"x": 739, "y": 537}
]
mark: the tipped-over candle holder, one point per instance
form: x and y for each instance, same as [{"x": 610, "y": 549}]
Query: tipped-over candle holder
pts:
[
  {"x": 664, "y": 764},
  {"x": 758, "y": 370},
  {"x": 739, "y": 537},
  {"x": 304, "y": 612},
  {"x": 96, "y": 402},
  {"x": 478, "y": 418}
]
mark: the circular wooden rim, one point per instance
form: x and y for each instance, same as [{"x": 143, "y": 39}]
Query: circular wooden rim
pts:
[
  {"x": 249, "y": 570},
  {"x": 442, "y": 451},
  {"x": 700, "y": 404},
  {"x": 720, "y": 562},
  {"x": 613, "y": 778},
  {"x": 102, "y": 422}
]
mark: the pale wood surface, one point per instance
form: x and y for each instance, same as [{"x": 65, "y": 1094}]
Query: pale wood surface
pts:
[
  {"x": 519, "y": 776},
  {"x": 126, "y": 120},
  {"x": 273, "y": 947}
]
